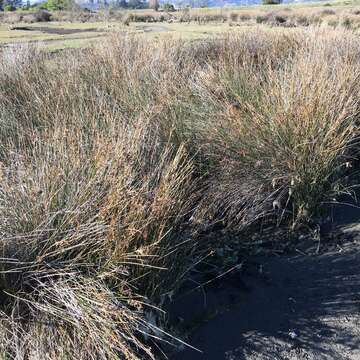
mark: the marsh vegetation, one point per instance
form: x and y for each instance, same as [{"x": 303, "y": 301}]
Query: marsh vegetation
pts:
[{"x": 118, "y": 159}]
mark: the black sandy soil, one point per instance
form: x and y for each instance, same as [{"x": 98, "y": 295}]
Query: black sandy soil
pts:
[
  {"x": 52, "y": 30},
  {"x": 288, "y": 307}
]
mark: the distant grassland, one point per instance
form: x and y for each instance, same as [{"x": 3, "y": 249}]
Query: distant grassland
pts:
[
  {"x": 98, "y": 31},
  {"x": 90, "y": 28},
  {"x": 53, "y": 40}
]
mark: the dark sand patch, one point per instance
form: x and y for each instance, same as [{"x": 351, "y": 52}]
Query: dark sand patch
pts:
[
  {"x": 56, "y": 31},
  {"x": 289, "y": 307}
]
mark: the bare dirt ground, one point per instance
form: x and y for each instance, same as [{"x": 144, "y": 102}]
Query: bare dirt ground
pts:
[
  {"x": 52, "y": 30},
  {"x": 289, "y": 307}
]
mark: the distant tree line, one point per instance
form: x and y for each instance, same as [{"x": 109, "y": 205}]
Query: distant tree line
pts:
[
  {"x": 53, "y": 5},
  {"x": 10, "y": 4},
  {"x": 126, "y": 4}
]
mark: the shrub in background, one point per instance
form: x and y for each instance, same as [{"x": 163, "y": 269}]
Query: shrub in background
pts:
[
  {"x": 9, "y": 7},
  {"x": 271, "y": 2},
  {"x": 168, "y": 7},
  {"x": 260, "y": 19},
  {"x": 56, "y": 5},
  {"x": 42, "y": 16}
]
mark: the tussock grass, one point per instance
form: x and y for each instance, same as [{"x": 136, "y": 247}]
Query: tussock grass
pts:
[
  {"x": 282, "y": 114},
  {"x": 114, "y": 159},
  {"x": 93, "y": 205}
]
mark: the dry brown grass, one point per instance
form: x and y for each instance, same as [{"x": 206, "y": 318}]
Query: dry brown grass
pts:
[
  {"x": 297, "y": 108},
  {"x": 93, "y": 201},
  {"x": 114, "y": 158}
]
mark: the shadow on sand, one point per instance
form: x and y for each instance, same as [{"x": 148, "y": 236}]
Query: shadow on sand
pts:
[{"x": 298, "y": 307}]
